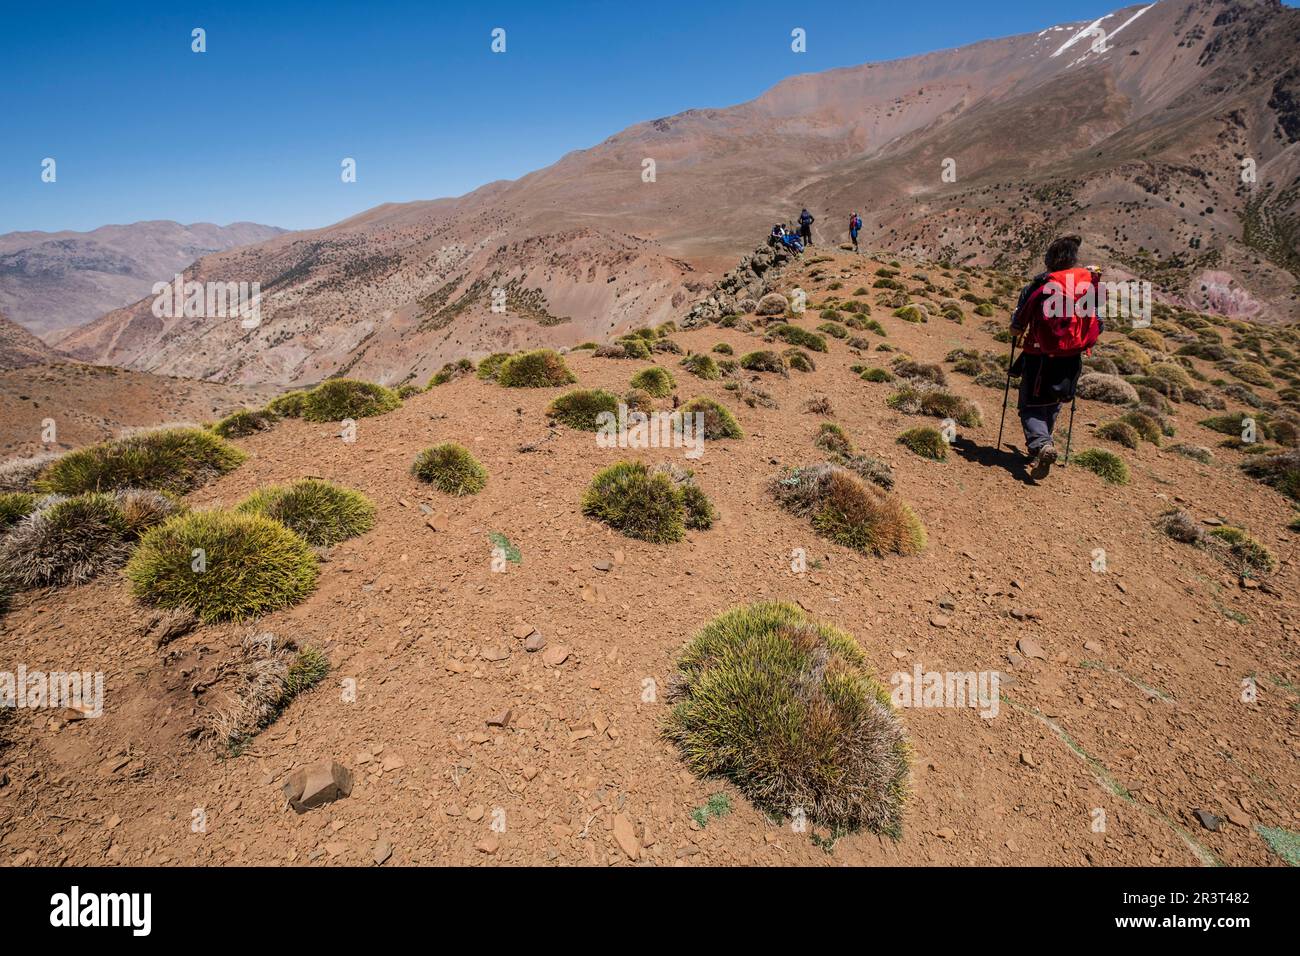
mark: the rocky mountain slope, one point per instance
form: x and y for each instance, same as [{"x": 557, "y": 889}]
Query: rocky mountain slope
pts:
[
  {"x": 498, "y": 713},
  {"x": 1138, "y": 145},
  {"x": 51, "y": 282},
  {"x": 20, "y": 348}
]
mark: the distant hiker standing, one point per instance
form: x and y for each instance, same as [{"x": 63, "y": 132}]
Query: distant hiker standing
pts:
[
  {"x": 1057, "y": 320},
  {"x": 805, "y": 227},
  {"x": 855, "y": 226}
]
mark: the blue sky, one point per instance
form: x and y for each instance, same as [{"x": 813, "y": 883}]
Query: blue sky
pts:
[{"x": 255, "y": 129}]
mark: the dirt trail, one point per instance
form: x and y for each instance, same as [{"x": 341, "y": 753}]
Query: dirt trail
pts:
[{"x": 1132, "y": 715}]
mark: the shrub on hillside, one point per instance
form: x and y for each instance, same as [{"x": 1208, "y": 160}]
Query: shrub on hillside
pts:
[
  {"x": 490, "y": 365},
  {"x": 831, "y": 438},
  {"x": 15, "y": 506},
  {"x": 652, "y": 505},
  {"x": 340, "y": 398},
  {"x": 1251, "y": 372},
  {"x": 790, "y": 712},
  {"x": 703, "y": 366},
  {"x": 319, "y": 512},
  {"x": 834, "y": 330},
  {"x": 1147, "y": 426},
  {"x": 722, "y": 348},
  {"x": 718, "y": 420},
  {"x": 937, "y": 404},
  {"x": 175, "y": 460},
  {"x": 1098, "y": 387},
  {"x": 1194, "y": 452},
  {"x": 20, "y": 474},
  {"x": 798, "y": 360},
  {"x": 288, "y": 405},
  {"x": 657, "y": 381},
  {"x": 222, "y": 565},
  {"x": 1121, "y": 432},
  {"x": 905, "y": 367},
  {"x": 540, "y": 368},
  {"x": 926, "y": 442},
  {"x": 450, "y": 372},
  {"x": 581, "y": 407},
  {"x": 1239, "y": 551},
  {"x": 1107, "y": 465},
  {"x": 870, "y": 468},
  {"x": 794, "y": 335},
  {"x": 877, "y": 375},
  {"x": 269, "y": 672},
  {"x": 1280, "y": 471},
  {"x": 848, "y": 511},
  {"x": 911, "y": 313},
  {"x": 245, "y": 422},
  {"x": 450, "y": 468}
]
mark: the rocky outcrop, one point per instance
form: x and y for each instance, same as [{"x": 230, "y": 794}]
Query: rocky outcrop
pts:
[{"x": 739, "y": 291}]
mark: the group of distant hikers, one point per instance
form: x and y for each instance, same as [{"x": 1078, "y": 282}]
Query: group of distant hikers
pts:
[{"x": 1055, "y": 323}]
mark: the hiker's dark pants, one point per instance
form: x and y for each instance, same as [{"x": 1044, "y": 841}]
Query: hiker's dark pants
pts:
[
  {"x": 853, "y": 234},
  {"x": 1046, "y": 382},
  {"x": 805, "y": 233}
]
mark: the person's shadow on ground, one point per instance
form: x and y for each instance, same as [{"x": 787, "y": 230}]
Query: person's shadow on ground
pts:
[{"x": 1009, "y": 459}]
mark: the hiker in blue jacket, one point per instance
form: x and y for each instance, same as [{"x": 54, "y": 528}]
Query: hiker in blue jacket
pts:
[{"x": 855, "y": 226}]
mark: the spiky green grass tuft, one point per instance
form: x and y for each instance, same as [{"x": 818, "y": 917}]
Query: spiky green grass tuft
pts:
[
  {"x": 582, "y": 407},
  {"x": 1105, "y": 464},
  {"x": 926, "y": 442},
  {"x": 222, "y": 565},
  {"x": 703, "y": 366},
  {"x": 794, "y": 335},
  {"x": 1120, "y": 432},
  {"x": 831, "y": 438},
  {"x": 790, "y": 712},
  {"x": 718, "y": 420},
  {"x": 319, "y": 512},
  {"x": 762, "y": 360},
  {"x": 341, "y": 398},
  {"x": 245, "y": 422},
  {"x": 849, "y": 511},
  {"x": 540, "y": 368},
  {"x": 451, "y": 468},
  {"x": 288, "y": 405},
  {"x": 1240, "y": 551},
  {"x": 877, "y": 375},
  {"x": 657, "y": 381},
  {"x": 175, "y": 460},
  {"x": 722, "y": 348},
  {"x": 799, "y": 360},
  {"x": 654, "y": 505},
  {"x": 489, "y": 366},
  {"x": 15, "y": 506}
]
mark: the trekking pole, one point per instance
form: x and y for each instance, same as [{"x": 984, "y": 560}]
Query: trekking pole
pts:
[{"x": 1006, "y": 393}]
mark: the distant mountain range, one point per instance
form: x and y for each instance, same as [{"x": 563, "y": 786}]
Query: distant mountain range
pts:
[
  {"x": 50, "y": 281},
  {"x": 1166, "y": 134}
]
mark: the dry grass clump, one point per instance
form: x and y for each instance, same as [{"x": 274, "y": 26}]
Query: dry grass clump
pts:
[
  {"x": 1280, "y": 470},
  {"x": 789, "y": 711},
  {"x": 1232, "y": 546},
  {"x": 1111, "y": 389},
  {"x": 1148, "y": 427},
  {"x": 288, "y": 405},
  {"x": 1195, "y": 452},
  {"x": 763, "y": 361},
  {"x": 794, "y": 335},
  {"x": 540, "y": 368},
  {"x": 245, "y": 422},
  {"x": 451, "y": 468},
  {"x": 175, "y": 460},
  {"x": 342, "y": 398},
  {"x": 832, "y": 439},
  {"x": 703, "y": 366},
  {"x": 268, "y": 673},
  {"x": 848, "y": 511},
  {"x": 911, "y": 370},
  {"x": 1251, "y": 372},
  {"x": 877, "y": 375},
  {"x": 718, "y": 420},
  {"x": 490, "y": 365},
  {"x": 450, "y": 372},
  {"x": 1121, "y": 432},
  {"x": 819, "y": 405},
  {"x": 935, "y": 403},
  {"x": 222, "y": 565},
  {"x": 655, "y": 505},
  {"x": 20, "y": 474},
  {"x": 869, "y": 468},
  {"x": 319, "y": 512},
  {"x": 799, "y": 360}
]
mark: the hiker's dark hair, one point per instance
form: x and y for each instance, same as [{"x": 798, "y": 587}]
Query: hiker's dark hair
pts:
[{"x": 1063, "y": 253}]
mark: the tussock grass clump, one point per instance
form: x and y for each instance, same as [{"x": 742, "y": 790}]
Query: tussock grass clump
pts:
[
  {"x": 718, "y": 420},
  {"x": 1280, "y": 471},
  {"x": 450, "y": 372},
  {"x": 222, "y": 565},
  {"x": 655, "y": 505},
  {"x": 762, "y": 361},
  {"x": 1239, "y": 551},
  {"x": 269, "y": 672},
  {"x": 703, "y": 366},
  {"x": 911, "y": 313},
  {"x": 789, "y": 711},
  {"x": 175, "y": 460},
  {"x": 636, "y": 401},
  {"x": 71, "y": 540},
  {"x": 451, "y": 468},
  {"x": 540, "y": 368},
  {"x": 1232, "y": 424},
  {"x": 20, "y": 474},
  {"x": 341, "y": 398},
  {"x": 489, "y": 365},
  {"x": 245, "y": 422},
  {"x": 794, "y": 335},
  {"x": 408, "y": 390},
  {"x": 920, "y": 371},
  {"x": 1195, "y": 452},
  {"x": 319, "y": 512},
  {"x": 937, "y": 404},
  {"x": 1147, "y": 427},
  {"x": 1181, "y": 526},
  {"x": 1109, "y": 466},
  {"x": 659, "y": 382},
  {"x": 581, "y": 407},
  {"x": 1098, "y": 387},
  {"x": 1251, "y": 372},
  {"x": 288, "y": 405},
  {"x": 722, "y": 348},
  {"x": 834, "y": 330},
  {"x": 926, "y": 442},
  {"x": 15, "y": 506},
  {"x": 798, "y": 360},
  {"x": 877, "y": 375},
  {"x": 870, "y": 468},
  {"x": 1121, "y": 432},
  {"x": 832, "y": 439},
  {"x": 848, "y": 511}
]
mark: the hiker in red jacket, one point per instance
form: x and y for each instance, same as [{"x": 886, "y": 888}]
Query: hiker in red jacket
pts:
[{"x": 1056, "y": 319}]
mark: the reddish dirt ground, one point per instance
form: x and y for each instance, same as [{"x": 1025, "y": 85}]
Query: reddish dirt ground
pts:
[{"x": 427, "y": 630}]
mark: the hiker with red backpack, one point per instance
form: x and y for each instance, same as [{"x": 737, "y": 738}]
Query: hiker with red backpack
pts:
[
  {"x": 1057, "y": 321},
  {"x": 855, "y": 226}
]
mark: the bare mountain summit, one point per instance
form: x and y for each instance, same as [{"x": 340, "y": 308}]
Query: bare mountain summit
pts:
[
  {"x": 52, "y": 281},
  {"x": 1165, "y": 133}
]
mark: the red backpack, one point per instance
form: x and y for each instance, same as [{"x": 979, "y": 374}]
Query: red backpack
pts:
[{"x": 1062, "y": 313}]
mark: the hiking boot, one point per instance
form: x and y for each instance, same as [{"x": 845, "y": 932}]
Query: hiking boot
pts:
[{"x": 1043, "y": 462}]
